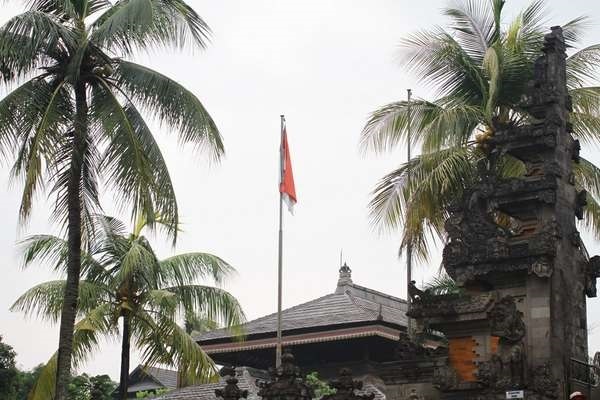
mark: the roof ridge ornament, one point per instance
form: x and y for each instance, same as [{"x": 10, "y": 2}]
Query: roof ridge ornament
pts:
[
  {"x": 345, "y": 275},
  {"x": 286, "y": 382},
  {"x": 347, "y": 388},
  {"x": 231, "y": 391}
]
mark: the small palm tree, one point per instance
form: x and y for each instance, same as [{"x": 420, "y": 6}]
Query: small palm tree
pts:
[
  {"x": 124, "y": 280},
  {"x": 76, "y": 117},
  {"x": 480, "y": 68}
]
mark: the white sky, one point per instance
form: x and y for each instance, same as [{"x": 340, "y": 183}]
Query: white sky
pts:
[{"x": 325, "y": 64}]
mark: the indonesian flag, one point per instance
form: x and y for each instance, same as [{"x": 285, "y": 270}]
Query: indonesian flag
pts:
[{"x": 286, "y": 186}]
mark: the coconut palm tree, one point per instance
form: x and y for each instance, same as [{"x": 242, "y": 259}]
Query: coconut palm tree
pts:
[
  {"x": 479, "y": 68},
  {"x": 123, "y": 279},
  {"x": 74, "y": 117}
]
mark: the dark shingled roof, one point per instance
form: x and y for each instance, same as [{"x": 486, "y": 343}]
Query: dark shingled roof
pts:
[
  {"x": 150, "y": 378},
  {"x": 246, "y": 381},
  {"x": 349, "y": 304}
]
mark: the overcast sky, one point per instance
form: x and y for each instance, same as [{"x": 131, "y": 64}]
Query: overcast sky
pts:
[{"x": 325, "y": 64}]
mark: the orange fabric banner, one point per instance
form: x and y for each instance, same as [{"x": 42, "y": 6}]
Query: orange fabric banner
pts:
[{"x": 287, "y": 187}]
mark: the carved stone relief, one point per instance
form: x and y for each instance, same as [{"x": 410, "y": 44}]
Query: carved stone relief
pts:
[
  {"x": 506, "y": 321},
  {"x": 543, "y": 381},
  {"x": 346, "y": 388}
]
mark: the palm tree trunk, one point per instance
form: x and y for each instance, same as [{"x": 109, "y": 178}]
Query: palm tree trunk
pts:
[
  {"x": 125, "y": 346},
  {"x": 69, "y": 310}
]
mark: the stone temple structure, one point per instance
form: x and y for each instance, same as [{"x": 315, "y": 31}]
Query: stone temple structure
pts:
[
  {"x": 520, "y": 321},
  {"x": 516, "y": 325}
]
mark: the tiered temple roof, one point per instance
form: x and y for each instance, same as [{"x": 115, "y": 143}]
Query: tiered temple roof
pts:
[{"x": 351, "y": 312}]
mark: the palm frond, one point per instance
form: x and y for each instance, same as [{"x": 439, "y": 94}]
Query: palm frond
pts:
[
  {"x": 586, "y": 126},
  {"x": 439, "y": 60},
  {"x": 525, "y": 34},
  {"x": 168, "y": 344},
  {"x": 573, "y": 30},
  {"x": 582, "y": 67},
  {"x": 45, "y": 300},
  {"x": 17, "y": 117},
  {"x": 441, "y": 285},
  {"x": 214, "y": 303},
  {"x": 187, "y": 268},
  {"x": 591, "y": 216},
  {"x": 142, "y": 24},
  {"x": 52, "y": 110},
  {"x": 54, "y": 251},
  {"x": 587, "y": 176},
  {"x": 446, "y": 122},
  {"x": 133, "y": 162},
  {"x": 415, "y": 195},
  {"x": 29, "y": 40},
  {"x": 473, "y": 24},
  {"x": 138, "y": 263},
  {"x": 195, "y": 323},
  {"x": 69, "y": 9},
  {"x": 172, "y": 105}
]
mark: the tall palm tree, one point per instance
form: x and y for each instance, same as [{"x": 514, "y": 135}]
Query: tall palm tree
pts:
[
  {"x": 479, "y": 68},
  {"x": 124, "y": 280},
  {"x": 76, "y": 117}
]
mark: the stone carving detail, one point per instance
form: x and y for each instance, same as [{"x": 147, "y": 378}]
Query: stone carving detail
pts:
[
  {"x": 542, "y": 269},
  {"x": 592, "y": 272},
  {"x": 286, "y": 382},
  {"x": 231, "y": 391},
  {"x": 346, "y": 388},
  {"x": 414, "y": 292},
  {"x": 543, "y": 381},
  {"x": 410, "y": 350},
  {"x": 414, "y": 395},
  {"x": 506, "y": 320},
  {"x": 445, "y": 378},
  {"x": 473, "y": 234},
  {"x": 576, "y": 148},
  {"x": 505, "y": 370},
  {"x": 580, "y": 204}
]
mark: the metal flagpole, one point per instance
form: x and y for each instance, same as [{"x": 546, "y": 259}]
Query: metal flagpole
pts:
[
  {"x": 409, "y": 246},
  {"x": 280, "y": 259}
]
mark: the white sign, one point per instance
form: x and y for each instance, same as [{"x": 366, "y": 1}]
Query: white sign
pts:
[{"x": 515, "y": 394}]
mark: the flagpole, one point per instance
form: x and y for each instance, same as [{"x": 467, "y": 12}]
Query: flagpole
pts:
[
  {"x": 409, "y": 246},
  {"x": 280, "y": 256}
]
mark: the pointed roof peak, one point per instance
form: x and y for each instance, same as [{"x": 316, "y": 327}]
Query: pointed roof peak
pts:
[{"x": 345, "y": 276}]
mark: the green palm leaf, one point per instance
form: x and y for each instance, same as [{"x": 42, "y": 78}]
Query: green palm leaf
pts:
[
  {"x": 131, "y": 24},
  {"x": 479, "y": 68},
  {"x": 171, "y": 104},
  {"x": 185, "y": 269}
]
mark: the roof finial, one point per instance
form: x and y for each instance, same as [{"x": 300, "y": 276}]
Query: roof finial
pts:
[{"x": 345, "y": 275}]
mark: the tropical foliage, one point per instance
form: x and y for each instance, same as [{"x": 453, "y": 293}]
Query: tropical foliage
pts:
[
  {"x": 479, "y": 67},
  {"x": 75, "y": 118},
  {"x": 320, "y": 387},
  {"x": 85, "y": 387},
  {"x": 16, "y": 384},
  {"x": 8, "y": 371},
  {"x": 124, "y": 280}
]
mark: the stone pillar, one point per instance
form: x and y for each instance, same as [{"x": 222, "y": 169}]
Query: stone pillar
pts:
[{"x": 286, "y": 382}]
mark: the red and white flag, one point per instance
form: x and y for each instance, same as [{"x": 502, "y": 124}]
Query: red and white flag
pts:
[{"x": 286, "y": 186}]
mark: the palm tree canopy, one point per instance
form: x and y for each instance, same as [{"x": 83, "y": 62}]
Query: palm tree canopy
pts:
[
  {"x": 479, "y": 67},
  {"x": 54, "y": 46},
  {"x": 122, "y": 274}
]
